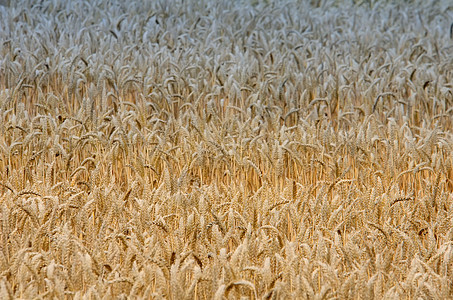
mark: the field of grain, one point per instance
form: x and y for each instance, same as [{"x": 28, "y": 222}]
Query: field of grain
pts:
[{"x": 226, "y": 149}]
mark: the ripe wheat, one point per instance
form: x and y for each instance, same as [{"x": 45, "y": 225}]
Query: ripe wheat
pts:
[{"x": 226, "y": 149}]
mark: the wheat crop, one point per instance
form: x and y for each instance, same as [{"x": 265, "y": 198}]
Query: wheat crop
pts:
[{"x": 226, "y": 149}]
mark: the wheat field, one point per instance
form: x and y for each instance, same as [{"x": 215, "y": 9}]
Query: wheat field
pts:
[{"x": 244, "y": 149}]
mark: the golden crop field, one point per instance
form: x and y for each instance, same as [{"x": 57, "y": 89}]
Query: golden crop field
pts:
[{"x": 243, "y": 149}]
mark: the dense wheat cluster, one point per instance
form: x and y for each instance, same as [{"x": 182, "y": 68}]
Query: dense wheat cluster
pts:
[{"x": 226, "y": 149}]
